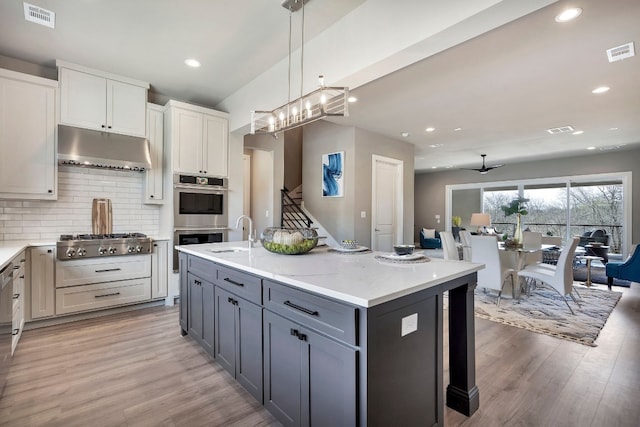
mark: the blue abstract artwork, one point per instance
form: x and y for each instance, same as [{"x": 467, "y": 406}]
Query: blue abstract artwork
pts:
[{"x": 333, "y": 174}]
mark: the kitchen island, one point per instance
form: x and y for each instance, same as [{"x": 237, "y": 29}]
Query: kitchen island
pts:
[{"x": 330, "y": 338}]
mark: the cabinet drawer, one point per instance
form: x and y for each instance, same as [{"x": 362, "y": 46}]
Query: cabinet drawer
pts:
[
  {"x": 202, "y": 268},
  {"x": 87, "y": 271},
  {"x": 102, "y": 295},
  {"x": 242, "y": 284},
  {"x": 322, "y": 314}
]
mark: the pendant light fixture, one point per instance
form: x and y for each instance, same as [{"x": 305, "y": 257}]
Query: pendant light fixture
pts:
[{"x": 322, "y": 102}]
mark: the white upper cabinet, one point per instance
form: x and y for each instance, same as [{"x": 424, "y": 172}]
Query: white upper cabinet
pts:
[
  {"x": 154, "y": 191},
  {"x": 102, "y": 101},
  {"x": 199, "y": 139},
  {"x": 28, "y": 165}
]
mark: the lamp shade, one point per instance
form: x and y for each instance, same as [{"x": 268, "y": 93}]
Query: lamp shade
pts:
[{"x": 480, "y": 219}]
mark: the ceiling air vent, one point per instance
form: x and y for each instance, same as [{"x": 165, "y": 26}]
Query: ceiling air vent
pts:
[
  {"x": 621, "y": 52},
  {"x": 39, "y": 16},
  {"x": 561, "y": 129}
]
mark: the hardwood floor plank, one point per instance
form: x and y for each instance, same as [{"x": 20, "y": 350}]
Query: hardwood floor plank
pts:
[{"x": 135, "y": 369}]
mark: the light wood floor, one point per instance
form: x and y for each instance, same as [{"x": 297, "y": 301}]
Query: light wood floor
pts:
[{"x": 135, "y": 369}]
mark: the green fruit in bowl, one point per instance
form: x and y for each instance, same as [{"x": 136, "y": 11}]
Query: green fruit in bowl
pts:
[{"x": 289, "y": 241}]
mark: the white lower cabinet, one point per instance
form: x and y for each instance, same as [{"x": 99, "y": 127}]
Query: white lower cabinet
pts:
[
  {"x": 90, "y": 297},
  {"x": 42, "y": 267},
  {"x": 159, "y": 265},
  {"x": 87, "y": 271},
  {"x": 19, "y": 263}
]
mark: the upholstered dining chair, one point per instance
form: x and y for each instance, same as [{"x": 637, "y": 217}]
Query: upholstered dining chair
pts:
[
  {"x": 465, "y": 240},
  {"x": 628, "y": 270},
  {"x": 532, "y": 240},
  {"x": 558, "y": 277},
  {"x": 484, "y": 250},
  {"x": 449, "y": 248}
]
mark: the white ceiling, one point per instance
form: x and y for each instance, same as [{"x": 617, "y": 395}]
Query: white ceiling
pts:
[{"x": 504, "y": 87}]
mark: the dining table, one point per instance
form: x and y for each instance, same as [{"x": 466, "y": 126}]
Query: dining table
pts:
[{"x": 515, "y": 258}]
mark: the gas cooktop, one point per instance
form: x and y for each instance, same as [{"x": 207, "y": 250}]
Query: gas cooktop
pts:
[{"x": 75, "y": 246}]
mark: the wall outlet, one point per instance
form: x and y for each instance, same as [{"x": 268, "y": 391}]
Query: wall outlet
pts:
[{"x": 363, "y": 214}]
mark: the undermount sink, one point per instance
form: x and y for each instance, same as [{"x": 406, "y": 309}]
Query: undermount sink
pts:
[{"x": 228, "y": 250}]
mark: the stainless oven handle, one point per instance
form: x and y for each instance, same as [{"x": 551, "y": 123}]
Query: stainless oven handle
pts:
[{"x": 204, "y": 188}]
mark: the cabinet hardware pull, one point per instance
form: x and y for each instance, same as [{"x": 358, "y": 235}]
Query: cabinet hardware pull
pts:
[
  {"x": 106, "y": 270},
  {"x": 230, "y": 300},
  {"x": 16, "y": 296},
  {"x": 302, "y": 337},
  {"x": 294, "y": 332},
  {"x": 22, "y": 277},
  {"x": 49, "y": 191},
  {"x": 22, "y": 260},
  {"x": 107, "y": 295},
  {"x": 197, "y": 282},
  {"x": 15, "y": 267},
  {"x": 300, "y": 308},
  {"x": 226, "y": 279},
  {"x": 15, "y": 332},
  {"x": 49, "y": 251}
]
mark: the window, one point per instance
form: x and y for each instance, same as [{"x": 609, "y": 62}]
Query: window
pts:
[{"x": 563, "y": 206}]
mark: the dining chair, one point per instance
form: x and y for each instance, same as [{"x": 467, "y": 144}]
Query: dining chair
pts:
[
  {"x": 449, "y": 247},
  {"x": 532, "y": 240},
  {"x": 465, "y": 240},
  {"x": 558, "y": 277},
  {"x": 484, "y": 250}
]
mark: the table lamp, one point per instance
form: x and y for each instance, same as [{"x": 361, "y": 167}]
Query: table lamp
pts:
[{"x": 481, "y": 220}]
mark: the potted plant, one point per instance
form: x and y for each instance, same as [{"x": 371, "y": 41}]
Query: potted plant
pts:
[{"x": 518, "y": 207}]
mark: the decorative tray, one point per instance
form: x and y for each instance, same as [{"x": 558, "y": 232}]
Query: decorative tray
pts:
[{"x": 415, "y": 257}]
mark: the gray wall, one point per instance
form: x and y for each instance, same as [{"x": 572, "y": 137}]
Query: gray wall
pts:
[
  {"x": 430, "y": 187},
  {"x": 463, "y": 204},
  {"x": 341, "y": 215},
  {"x": 293, "y": 158}
]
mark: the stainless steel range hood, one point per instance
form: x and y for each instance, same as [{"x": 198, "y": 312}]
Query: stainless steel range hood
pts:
[{"x": 90, "y": 148}]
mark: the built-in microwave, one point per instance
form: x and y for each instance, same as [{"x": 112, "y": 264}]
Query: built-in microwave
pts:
[{"x": 199, "y": 202}]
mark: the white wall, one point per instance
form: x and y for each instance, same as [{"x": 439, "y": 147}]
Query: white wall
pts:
[{"x": 39, "y": 220}]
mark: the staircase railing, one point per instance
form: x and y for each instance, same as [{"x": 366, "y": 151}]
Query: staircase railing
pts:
[{"x": 291, "y": 214}]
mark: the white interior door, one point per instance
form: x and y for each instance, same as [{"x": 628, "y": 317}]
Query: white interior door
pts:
[{"x": 387, "y": 203}]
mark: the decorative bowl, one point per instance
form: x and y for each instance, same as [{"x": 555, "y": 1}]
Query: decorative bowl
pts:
[
  {"x": 349, "y": 244},
  {"x": 404, "y": 249},
  {"x": 289, "y": 241}
]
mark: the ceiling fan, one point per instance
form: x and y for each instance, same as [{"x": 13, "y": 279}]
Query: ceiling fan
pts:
[{"x": 484, "y": 169}]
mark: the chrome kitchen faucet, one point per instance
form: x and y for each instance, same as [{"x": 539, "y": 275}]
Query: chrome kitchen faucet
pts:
[{"x": 252, "y": 237}]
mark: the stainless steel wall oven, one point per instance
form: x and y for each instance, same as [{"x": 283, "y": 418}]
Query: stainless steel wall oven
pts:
[
  {"x": 199, "y": 211},
  {"x": 199, "y": 202}
]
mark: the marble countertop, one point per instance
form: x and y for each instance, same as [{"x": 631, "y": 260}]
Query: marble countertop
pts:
[
  {"x": 10, "y": 248},
  {"x": 356, "y": 278}
]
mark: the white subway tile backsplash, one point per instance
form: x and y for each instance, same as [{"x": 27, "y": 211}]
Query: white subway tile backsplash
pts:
[{"x": 71, "y": 213}]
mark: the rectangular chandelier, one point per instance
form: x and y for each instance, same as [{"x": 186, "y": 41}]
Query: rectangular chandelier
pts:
[{"x": 322, "y": 102}]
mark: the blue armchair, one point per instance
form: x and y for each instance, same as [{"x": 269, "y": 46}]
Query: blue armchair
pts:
[
  {"x": 430, "y": 242},
  {"x": 628, "y": 270}
]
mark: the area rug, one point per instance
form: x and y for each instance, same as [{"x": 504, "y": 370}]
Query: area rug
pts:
[
  {"x": 598, "y": 275},
  {"x": 546, "y": 313}
]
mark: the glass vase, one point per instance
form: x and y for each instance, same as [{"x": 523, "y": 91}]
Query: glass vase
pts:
[{"x": 517, "y": 236}]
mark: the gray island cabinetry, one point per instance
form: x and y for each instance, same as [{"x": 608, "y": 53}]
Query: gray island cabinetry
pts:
[{"x": 331, "y": 339}]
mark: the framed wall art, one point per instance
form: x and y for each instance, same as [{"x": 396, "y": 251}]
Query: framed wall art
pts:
[{"x": 333, "y": 174}]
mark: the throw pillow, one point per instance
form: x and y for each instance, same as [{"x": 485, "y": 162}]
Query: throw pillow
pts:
[{"x": 429, "y": 233}]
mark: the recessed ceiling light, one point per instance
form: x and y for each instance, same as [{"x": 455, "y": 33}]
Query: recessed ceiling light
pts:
[
  {"x": 435, "y": 145},
  {"x": 434, "y": 167},
  {"x": 405, "y": 134},
  {"x": 578, "y": 132},
  {"x": 457, "y": 129},
  {"x": 568, "y": 14},
  {"x": 352, "y": 99},
  {"x": 601, "y": 89},
  {"x": 430, "y": 129},
  {"x": 591, "y": 148},
  {"x": 192, "y": 62},
  {"x": 613, "y": 128}
]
